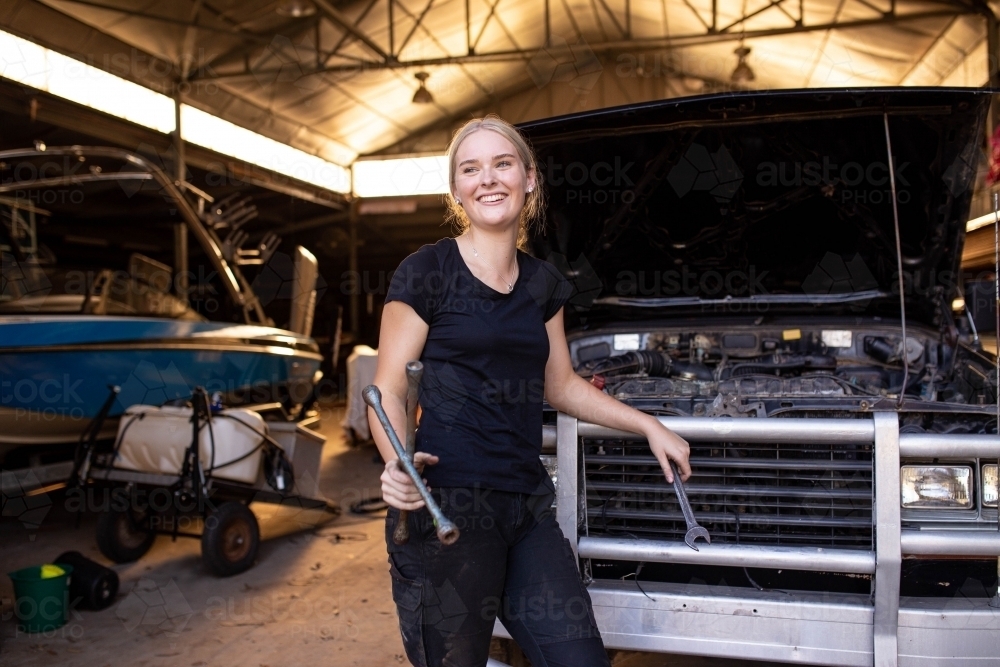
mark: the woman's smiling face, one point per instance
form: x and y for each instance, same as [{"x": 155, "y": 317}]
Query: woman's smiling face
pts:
[{"x": 490, "y": 179}]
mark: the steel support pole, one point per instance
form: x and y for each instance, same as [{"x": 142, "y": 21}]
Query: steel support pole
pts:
[
  {"x": 888, "y": 558},
  {"x": 993, "y": 49},
  {"x": 352, "y": 260},
  {"x": 181, "y": 272},
  {"x": 992, "y": 66}
]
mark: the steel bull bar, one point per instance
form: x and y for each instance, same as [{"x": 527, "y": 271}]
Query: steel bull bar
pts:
[{"x": 800, "y": 627}]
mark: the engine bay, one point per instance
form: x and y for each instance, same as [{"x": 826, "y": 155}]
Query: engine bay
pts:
[{"x": 761, "y": 371}]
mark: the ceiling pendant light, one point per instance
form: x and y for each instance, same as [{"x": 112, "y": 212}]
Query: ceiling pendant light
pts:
[
  {"x": 296, "y": 8},
  {"x": 422, "y": 96},
  {"x": 743, "y": 72}
]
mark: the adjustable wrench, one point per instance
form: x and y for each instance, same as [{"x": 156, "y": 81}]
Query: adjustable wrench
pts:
[{"x": 694, "y": 531}]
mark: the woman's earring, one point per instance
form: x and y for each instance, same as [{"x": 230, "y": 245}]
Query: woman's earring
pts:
[
  {"x": 458, "y": 201},
  {"x": 530, "y": 190}
]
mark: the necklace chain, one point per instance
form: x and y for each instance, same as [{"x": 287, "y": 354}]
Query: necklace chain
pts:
[{"x": 509, "y": 283}]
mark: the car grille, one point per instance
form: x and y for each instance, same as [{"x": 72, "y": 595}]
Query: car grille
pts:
[{"x": 776, "y": 494}]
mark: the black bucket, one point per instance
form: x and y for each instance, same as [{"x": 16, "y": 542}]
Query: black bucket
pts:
[{"x": 94, "y": 585}]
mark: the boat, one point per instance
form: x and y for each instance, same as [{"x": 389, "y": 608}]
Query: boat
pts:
[{"x": 80, "y": 317}]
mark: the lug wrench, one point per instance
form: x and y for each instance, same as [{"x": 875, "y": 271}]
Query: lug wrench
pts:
[
  {"x": 414, "y": 370},
  {"x": 446, "y": 530},
  {"x": 694, "y": 531}
]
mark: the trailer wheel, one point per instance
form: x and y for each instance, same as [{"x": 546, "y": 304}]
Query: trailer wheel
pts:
[
  {"x": 230, "y": 540},
  {"x": 124, "y": 535}
]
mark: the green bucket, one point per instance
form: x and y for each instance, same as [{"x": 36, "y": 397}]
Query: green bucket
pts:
[{"x": 41, "y": 605}]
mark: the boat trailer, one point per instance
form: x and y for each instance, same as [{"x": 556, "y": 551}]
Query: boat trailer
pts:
[{"x": 151, "y": 495}]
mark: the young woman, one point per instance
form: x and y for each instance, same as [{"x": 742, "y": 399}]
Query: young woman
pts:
[{"x": 486, "y": 320}]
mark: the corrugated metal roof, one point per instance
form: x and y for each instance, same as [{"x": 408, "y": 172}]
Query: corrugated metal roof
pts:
[{"x": 339, "y": 83}]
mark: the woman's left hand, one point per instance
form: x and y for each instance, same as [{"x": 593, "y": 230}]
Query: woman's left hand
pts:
[{"x": 665, "y": 444}]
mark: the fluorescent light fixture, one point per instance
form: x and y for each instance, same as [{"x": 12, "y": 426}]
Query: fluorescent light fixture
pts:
[
  {"x": 221, "y": 136},
  {"x": 936, "y": 487},
  {"x": 427, "y": 175},
  {"x": 62, "y": 76},
  {"x": 32, "y": 65},
  {"x": 981, "y": 221}
]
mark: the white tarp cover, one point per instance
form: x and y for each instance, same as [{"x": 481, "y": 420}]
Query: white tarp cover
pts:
[{"x": 360, "y": 373}]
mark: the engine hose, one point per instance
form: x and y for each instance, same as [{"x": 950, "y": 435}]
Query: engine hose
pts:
[
  {"x": 810, "y": 362},
  {"x": 655, "y": 364}
]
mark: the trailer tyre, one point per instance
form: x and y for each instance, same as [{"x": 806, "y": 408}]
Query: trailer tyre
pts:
[
  {"x": 231, "y": 538},
  {"x": 124, "y": 536}
]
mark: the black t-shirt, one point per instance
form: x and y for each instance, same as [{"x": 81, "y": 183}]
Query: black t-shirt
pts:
[{"x": 484, "y": 366}]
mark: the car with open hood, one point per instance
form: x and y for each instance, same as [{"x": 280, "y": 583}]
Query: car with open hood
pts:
[{"x": 775, "y": 275}]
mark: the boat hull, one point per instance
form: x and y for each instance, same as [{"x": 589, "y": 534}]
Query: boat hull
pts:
[{"x": 55, "y": 373}]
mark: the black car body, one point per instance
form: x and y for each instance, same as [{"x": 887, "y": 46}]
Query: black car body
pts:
[{"x": 738, "y": 262}]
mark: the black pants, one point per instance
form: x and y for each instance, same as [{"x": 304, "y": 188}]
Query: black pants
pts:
[{"x": 511, "y": 562}]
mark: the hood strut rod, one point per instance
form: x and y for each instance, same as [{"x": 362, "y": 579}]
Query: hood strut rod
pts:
[
  {"x": 996, "y": 307},
  {"x": 899, "y": 262}
]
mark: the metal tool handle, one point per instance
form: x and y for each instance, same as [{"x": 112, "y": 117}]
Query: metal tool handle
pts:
[
  {"x": 682, "y": 497},
  {"x": 446, "y": 530},
  {"x": 694, "y": 531},
  {"x": 414, "y": 371}
]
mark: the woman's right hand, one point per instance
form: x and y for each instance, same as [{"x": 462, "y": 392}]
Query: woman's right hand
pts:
[{"x": 398, "y": 490}]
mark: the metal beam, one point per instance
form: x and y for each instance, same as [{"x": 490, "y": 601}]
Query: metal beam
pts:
[
  {"x": 187, "y": 48},
  {"x": 417, "y": 23},
  {"x": 344, "y": 22},
  {"x": 233, "y": 31},
  {"x": 346, "y": 36},
  {"x": 312, "y": 223},
  {"x": 629, "y": 46},
  {"x": 493, "y": 9},
  {"x": 614, "y": 19},
  {"x": 290, "y": 30},
  {"x": 74, "y": 117},
  {"x": 743, "y": 19}
]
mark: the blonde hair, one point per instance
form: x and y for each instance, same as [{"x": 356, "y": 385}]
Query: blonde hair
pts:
[{"x": 533, "y": 212}]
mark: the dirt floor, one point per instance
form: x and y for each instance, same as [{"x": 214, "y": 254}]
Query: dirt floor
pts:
[{"x": 317, "y": 595}]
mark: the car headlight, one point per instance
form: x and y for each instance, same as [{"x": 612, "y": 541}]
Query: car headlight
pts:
[
  {"x": 935, "y": 487},
  {"x": 551, "y": 464},
  {"x": 990, "y": 485}
]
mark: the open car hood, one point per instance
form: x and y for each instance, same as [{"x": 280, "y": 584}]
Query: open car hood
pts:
[{"x": 756, "y": 203}]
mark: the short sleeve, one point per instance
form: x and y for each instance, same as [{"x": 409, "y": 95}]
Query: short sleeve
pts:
[
  {"x": 413, "y": 281},
  {"x": 549, "y": 289}
]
